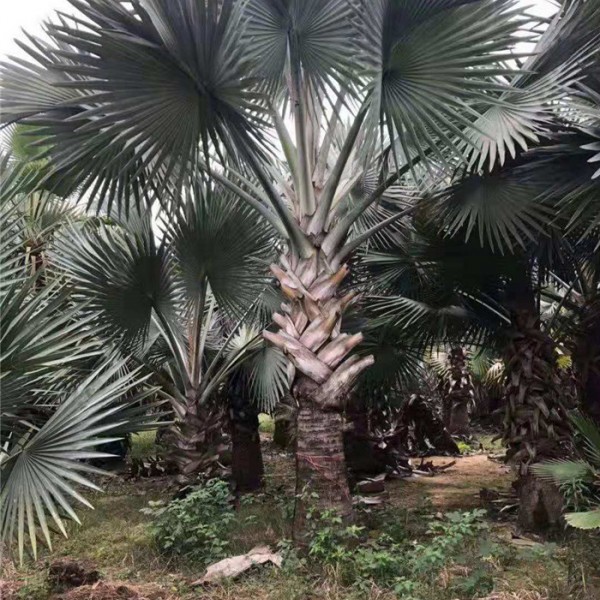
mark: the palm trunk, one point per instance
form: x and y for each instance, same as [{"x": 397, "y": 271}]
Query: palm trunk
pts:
[
  {"x": 587, "y": 360},
  {"x": 322, "y": 481},
  {"x": 247, "y": 467},
  {"x": 323, "y": 375},
  {"x": 536, "y": 423},
  {"x": 198, "y": 442},
  {"x": 284, "y": 434},
  {"x": 458, "y": 393}
]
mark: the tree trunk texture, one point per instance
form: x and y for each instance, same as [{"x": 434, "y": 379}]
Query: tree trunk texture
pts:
[
  {"x": 247, "y": 467},
  {"x": 284, "y": 434},
  {"x": 323, "y": 372},
  {"x": 322, "y": 481},
  {"x": 457, "y": 389},
  {"x": 198, "y": 443},
  {"x": 535, "y": 423},
  {"x": 587, "y": 360},
  {"x": 540, "y": 504}
]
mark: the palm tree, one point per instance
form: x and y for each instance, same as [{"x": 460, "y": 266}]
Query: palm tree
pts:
[
  {"x": 175, "y": 297},
  {"x": 456, "y": 388},
  {"x": 309, "y": 111}
]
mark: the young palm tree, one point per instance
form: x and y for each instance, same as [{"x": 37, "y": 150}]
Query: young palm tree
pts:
[
  {"x": 310, "y": 111},
  {"x": 175, "y": 301}
]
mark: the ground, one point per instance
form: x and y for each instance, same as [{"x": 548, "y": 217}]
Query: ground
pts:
[
  {"x": 115, "y": 539},
  {"x": 456, "y": 488}
]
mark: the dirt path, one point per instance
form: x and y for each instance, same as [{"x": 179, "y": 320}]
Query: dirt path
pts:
[{"x": 456, "y": 488}]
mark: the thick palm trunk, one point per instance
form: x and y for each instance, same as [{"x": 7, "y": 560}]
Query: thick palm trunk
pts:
[
  {"x": 323, "y": 375},
  {"x": 247, "y": 467},
  {"x": 536, "y": 423},
  {"x": 322, "y": 481},
  {"x": 198, "y": 442}
]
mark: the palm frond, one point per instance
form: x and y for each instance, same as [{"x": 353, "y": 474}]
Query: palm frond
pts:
[
  {"x": 125, "y": 79},
  {"x": 563, "y": 471},
  {"x": 319, "y": 34},
  {"x": 584, "y": 520},
  {"x": 219, "y": 241},
  {"x": 42, "y": 470},
  {"x": 441, "y": 68},
  {"x": 502, "y": 209},
  {"x": 121, "y": 276},
  {"x": 590, "y": 434}
]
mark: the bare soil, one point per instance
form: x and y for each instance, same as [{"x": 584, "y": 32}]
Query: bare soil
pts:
[{"x": 455, "y": 488}]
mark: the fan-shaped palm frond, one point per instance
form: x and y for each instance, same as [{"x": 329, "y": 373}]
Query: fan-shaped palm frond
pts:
[
  {"x": 502, "y": 209},
  {"x": 148, "y": 64},
  {"x": 564, "y": 55},
  {"x": 220, "y": 241},
  {"x": 122, "y": 277},
  {"x": 424, "y": 53},
  {"x": 266, "y": 368},
  {"x": 41, "y": 468},
  {"x": 57, "y": 402},
  {"x": 312, "y": 34}
]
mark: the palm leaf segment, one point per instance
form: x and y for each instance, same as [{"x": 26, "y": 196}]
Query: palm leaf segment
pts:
[{"x": 41, "y": 471}]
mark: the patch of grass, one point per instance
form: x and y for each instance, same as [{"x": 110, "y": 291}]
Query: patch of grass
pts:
[
  {"x": 34, "y": 588},
  {"x": 114, "y": 535},
  {"x": 143, "y": 444},
  {"x": 116, "y": 538},
  {"x": 266, "y": 423},
  {"x": 489, "y": 443},
  {"x": 464, "y": 447},
  {"x": 263, "y": 518}
]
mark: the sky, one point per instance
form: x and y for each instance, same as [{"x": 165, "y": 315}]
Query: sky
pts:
[{"x": 29, "y": 14}]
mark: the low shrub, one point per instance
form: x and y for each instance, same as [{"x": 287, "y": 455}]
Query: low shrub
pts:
[
  {"x": 456, "y": 550},
  {"x": 195, "y": 527}
]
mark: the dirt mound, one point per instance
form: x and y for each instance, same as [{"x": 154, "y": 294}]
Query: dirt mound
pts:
[
  {"x": 113, "y": 591},
  {"x": 68, "y": 572}
]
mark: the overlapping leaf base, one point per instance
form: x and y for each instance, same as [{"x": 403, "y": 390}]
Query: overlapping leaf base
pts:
[{"x": 322, "y": 371}]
